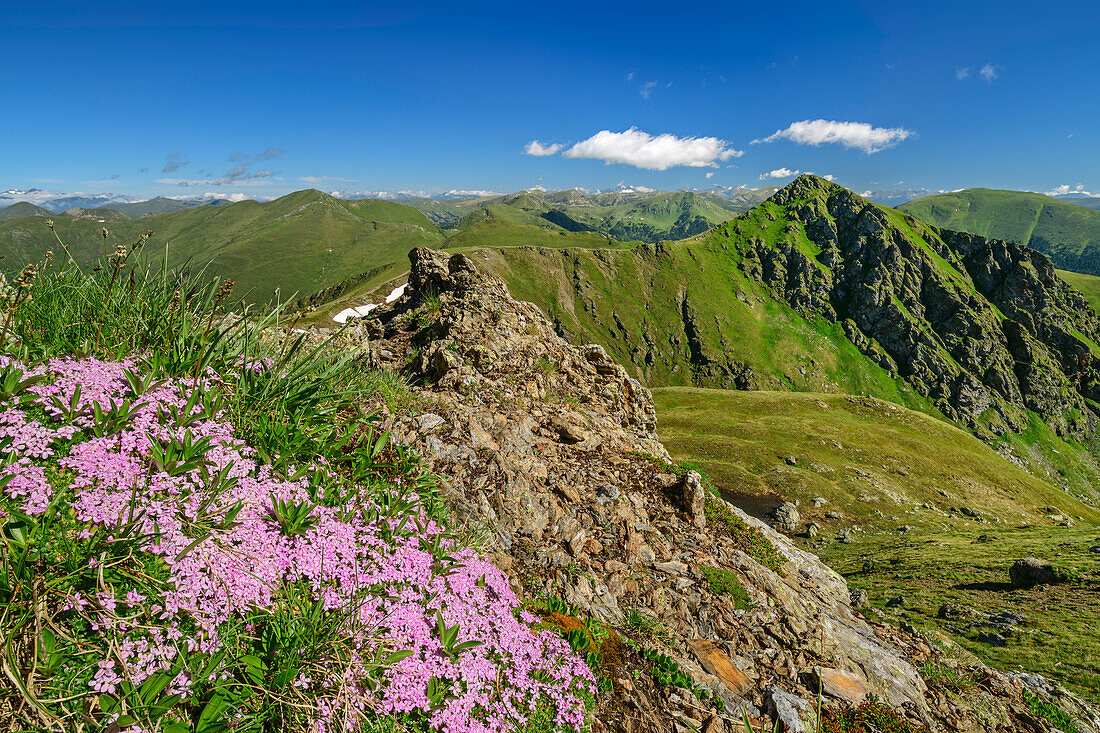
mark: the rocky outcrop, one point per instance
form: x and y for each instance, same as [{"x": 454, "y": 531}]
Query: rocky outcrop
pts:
[
  {"x": 982, "y": 327},
  {"x": 549, "y": 457}
]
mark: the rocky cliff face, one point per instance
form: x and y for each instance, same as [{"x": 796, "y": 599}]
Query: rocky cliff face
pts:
[
  {"x": 549, "y": 455},
  {"x": 982, "y": 327}
]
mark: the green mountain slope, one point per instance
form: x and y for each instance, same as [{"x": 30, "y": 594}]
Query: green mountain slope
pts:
[
  {"x": 864, "y": 456},
  {"x": 302, "y": 242},
  {"x": 21, "y": 209},
  {"x": 1067, "y": 233},
  {"x": 491, "y": 231}
]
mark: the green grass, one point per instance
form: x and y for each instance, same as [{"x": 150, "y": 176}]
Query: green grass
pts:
[
  {"x": 1065, "y": 232},
  {"x": 748, "y": 539},
  {"x": 724, "y": 583},
  {"x": 883, "y": 468},
  {"x": 863, "y": 456},
  {"x": 969, "y": 567},
  {"x": 1087, "y": 285}
]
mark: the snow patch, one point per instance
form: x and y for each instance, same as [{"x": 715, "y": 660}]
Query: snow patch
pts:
[{"x": 362, "y": 310}]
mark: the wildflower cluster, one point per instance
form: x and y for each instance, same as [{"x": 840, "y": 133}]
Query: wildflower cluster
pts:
[{"x": 183, "y": 578}]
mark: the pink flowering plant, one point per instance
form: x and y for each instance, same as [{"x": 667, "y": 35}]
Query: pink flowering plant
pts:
[{"x": 203, "y": 530}]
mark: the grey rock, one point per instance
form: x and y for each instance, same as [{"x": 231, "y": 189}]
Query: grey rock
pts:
[
  {"x": 1008, "y": 618},
  {"x": 950, "y": 611},
  {"x": 576, "y": 542},
  {"x": 785, "y": 517},
  {"x": 794, "y": 714},
  {"x": 813, "y": 529},
  {"x": 606, "y": 493},
  {"x": 444, "y": 360},
  {"x": 429, "y": 421},
  {"x": 896, "y": 602},
  {"x": 992, "y": 638},
  {"x": 1031, "y": 571},
  {"x": 859, "y": 598},
  {"x": 568, "y": 432}
]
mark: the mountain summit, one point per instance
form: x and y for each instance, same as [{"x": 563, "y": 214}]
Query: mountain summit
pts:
[{"x": 983, "y": 327}]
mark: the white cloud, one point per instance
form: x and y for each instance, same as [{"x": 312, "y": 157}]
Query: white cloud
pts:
[
  {"x": 1066, "y": 190},
  {"x": 990, "y": 72},
  {"x": 539, "y": 149},
  {"x": 646, "y": 89},
  {"x": 829, "y": 177},
  {"x": 710, "y": 174},
  {"x": 779, "y": 173},
  {"x": 859, "y": 135},
  {"x": 962, "y": 73},
  {"x": 653, "y": 152}
]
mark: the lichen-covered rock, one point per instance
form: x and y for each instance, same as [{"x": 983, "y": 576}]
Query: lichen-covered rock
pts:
[{"x": 548, "y": 454}]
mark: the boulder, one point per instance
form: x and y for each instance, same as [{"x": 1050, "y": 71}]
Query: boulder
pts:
[
  {"x": 1031, "y": 571},
  {"x": 785, "y": 517}
]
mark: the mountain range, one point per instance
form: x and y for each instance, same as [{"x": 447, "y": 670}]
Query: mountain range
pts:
[
  {"x": 297, "y": 244},
  {"x": 310, "y": 241}
]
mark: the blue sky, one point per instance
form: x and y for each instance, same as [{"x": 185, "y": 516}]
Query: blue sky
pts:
[{"x": 224, "y": 98}]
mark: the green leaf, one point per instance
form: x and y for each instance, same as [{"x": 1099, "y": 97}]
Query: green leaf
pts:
[
  {"x": 398, "y": 656},
  {"x": 153, "y": 686},
  {"x": 457, "y": 648},
  {"x": 48, "y": 643},
  {"x": 212, "y": 719}
]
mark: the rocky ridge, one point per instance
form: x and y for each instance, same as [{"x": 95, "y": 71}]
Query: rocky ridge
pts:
[
  {"x": 549, "y": 455},
  {"x": 981, "y": 326}
]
